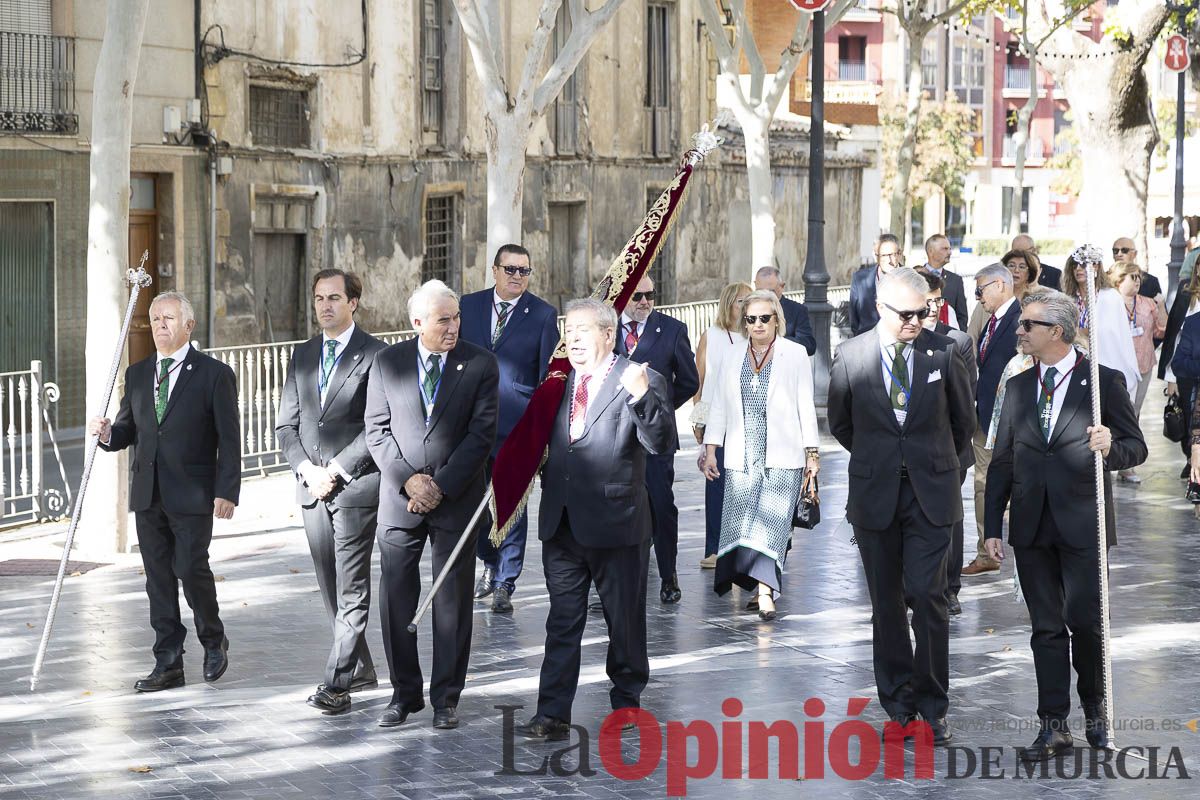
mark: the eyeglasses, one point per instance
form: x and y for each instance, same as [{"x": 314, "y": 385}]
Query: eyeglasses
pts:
[
  {"x": 750, "y": 319},
  {"x": 936, "y": 302},
  {"x": 525, "y": 272},
  {"x": 1137, "y": 276},
  {"x": 892, "y": 257},
  {"x": 639, "y": 296},
  {"x": 1027, "y": 324},
  {"x": 1120, "y": 251},
  {"x": 907, "y": 316},
  {"x": 979, "y": 289}
]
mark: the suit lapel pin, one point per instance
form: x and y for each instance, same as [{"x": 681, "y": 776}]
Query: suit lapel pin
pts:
[
  {"x": 460, "y": 366},
  {"x": 526, "y": 310},
  {"x": 189, "y": 367},
  {"x": 658, "y": 330},
  {"x": 1083, "y": 382},
  {"x": 356, "y": 355},
  {"x": 929, "y": 353}
]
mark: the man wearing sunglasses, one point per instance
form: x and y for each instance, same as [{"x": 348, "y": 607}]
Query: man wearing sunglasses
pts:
[
  {"x": 799, "y": 328},
  {"x": 521, "y": 330},
  {"x": 650, "y": 337},
  {"x": 1125, "y": 252},
  {"x": 1043, "y": 463},
  {"x": 900, "y": 402},
  {"x": 864, "y": 283}
]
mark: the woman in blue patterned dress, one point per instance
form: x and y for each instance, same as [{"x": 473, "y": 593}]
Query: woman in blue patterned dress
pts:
[{"x": 764, "y": 416}]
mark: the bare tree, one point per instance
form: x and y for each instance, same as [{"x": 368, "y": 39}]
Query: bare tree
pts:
[
  {"x": 755, "y": 105},
  {"x": 1110, "y": 98},
  {"x": 917, "y": 18},
  {"x": 510, "y": 113},
  {"x": 108, "y": 245}
]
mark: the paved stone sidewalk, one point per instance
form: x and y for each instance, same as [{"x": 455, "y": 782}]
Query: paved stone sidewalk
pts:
[{"x": 85, "y": 733}]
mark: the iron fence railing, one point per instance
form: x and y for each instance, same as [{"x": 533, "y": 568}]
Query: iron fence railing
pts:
[
  {"x": 37, "y": 83},
  {"x": 25, "y": 429}
]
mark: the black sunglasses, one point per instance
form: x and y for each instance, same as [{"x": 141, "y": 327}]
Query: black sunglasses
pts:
[
  {"x": 907, "y": 316},
  {"x": 979, "y": 289},
  {"x": 639, "y": 296},
  {"x": 1120, "y": 251},
  {"x": 1027, "y": 324},
  {"x": 525, "y": 272},
  {"x": 763, "y": 318}
]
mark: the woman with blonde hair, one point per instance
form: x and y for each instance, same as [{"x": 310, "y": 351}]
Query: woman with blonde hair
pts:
[
  {"x": 763, "y": 413},
  {"x": 1113, "y": 336},
  {"x": 723, "y": 337}
]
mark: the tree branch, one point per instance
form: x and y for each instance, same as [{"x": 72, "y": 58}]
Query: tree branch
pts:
[
  {"x": 758, "y": 69},
  {"x": 790, "y": 59},
  {"x": 535, "y": 52},
  {"x": 727, "y": 52},
  {"x": 484, "y": 41},
  {"x": 583, "y": 32}
]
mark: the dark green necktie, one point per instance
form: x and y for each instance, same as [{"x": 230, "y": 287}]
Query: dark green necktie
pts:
[
  {"x": 164, "y": 387},
  {"x": 432, "y": 376},
  {"x": 501, "y": 319},
  {"x": 899, "y": 387},
  {"x": 327, "y": 365},
  {"x": 1046, "y": 401}
]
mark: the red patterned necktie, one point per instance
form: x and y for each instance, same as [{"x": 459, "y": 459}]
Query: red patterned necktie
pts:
[
  {"x": 944, "y": 314},
  {"x": 579, "y": 407},
  {"x": 987, "y": 339},
  {"x": 631, "y": 338}
]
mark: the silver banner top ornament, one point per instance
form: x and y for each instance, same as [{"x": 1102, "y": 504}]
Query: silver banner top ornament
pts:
[
  {"x": 1087, "y": 254},
  {"x": 139, "y": 276},
  {"x": 706, "y": 139}
]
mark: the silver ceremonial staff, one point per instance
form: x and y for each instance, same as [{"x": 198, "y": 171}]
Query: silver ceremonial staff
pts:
[
  {"x": 449, "y": 565},
  {"x": 1091, "y": 257},
  {"x": 138, "y": 279}
]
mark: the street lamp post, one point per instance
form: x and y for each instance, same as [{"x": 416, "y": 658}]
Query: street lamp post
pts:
[
  {"x": 816, "y": 277},
  {"x": 1178, "y": 238}
]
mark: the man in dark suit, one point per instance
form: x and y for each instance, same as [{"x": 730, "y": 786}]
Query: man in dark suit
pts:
[
  {"x": 1048, "y": 276},
  {"x": 1125, "y": 252},
  {"x": 431, "y": 422},
  {"x": 180, "y": 415},
  {"x": 1044, "y": 465},
  {"x": 900, "y": 402},
  {"x": 863, "y": 314},
  {"x": 320, "y": 431},
  {"x": 648, "y": 337},
  {"x": 594, "y": 518},
  {"x": 965, "y": 346},
  {"x": 521, "y": 330},
  {"x": 937, "y": 255},
  {"x": 997, "y": 345},
  {"x": 799, "y": 328}
]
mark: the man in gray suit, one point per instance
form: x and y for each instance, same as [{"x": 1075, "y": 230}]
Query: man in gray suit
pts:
[
  {"x": 320, "y": 431},
  {"x": 432, "y": 405},
  {"x": 900, "y": 402},
  {"x": 594, "y": 520}
]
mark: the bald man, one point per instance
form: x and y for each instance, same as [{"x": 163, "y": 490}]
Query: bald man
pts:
[
  {"x": 1125, "y": 252},
  {"x": 1048, "y": 276}
]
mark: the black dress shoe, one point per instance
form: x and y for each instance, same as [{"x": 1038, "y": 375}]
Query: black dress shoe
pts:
[
  {"x": 330, "y": 701},
  {"x": 548, "y": 729},
  {"x": 669, "y": 593},
  {"x": 445, "y": 718},
  {"x": 1097, "y": 728},
  {"x": 941, "y": 731},
  {"x": 1049, "y": 744},
  {"x": 161, "y": 678},
  {"x": 393, "y": 715},
  {"x": 953, "y": 607},
  {"x": 501, "y": 604},
  {"x": 486, "y": 583},
  {"x": 216, "y": 660},
  {"x": 363, "y": 682},
  {"x": 1186, "y": 472}
]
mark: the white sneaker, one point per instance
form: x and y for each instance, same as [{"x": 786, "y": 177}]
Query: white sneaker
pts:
[{"x": 708, "y": 562}]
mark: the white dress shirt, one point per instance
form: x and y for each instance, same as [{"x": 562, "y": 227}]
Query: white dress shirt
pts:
[
  {"x": 423, "y": 354},
  {"x": 598, "y": 375},
  {"x": 343, "y": 340},
  {"x": 496, "y": 301},
  {"x": 887, "y": 352},
  {"x": 639, "y": 327},
  {"x": 175, "y": 368},
  {"x": 1060, "y": 381},
  {"x": 999, "y": 315}
]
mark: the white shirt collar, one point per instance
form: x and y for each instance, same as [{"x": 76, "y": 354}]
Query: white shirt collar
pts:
[
  {"x": 497, "y": 300},
  {"x": 1003, "y": 309},
  {"x": 1062, "y": 367},
  {"x": 626, "y": 319},
  {"x": 342, "y": 339},
  {"x": 177, "y": 356},
  {"x": 601, "y": 369},
  {"x": 425, "y": 353}
]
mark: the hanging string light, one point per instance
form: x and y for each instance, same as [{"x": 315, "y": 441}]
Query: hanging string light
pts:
[{"x": 966, "y": 30}]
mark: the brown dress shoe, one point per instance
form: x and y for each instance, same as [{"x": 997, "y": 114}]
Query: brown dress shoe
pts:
[{"x": 979, "y": 566}]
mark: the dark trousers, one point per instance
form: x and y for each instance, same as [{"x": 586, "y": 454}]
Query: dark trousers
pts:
[
  {"x": 341, "y": 540},
  {"x": 399, "y": 587},
  {"x": 508, "y": 559},
  {"x": 1187, "y": 399},
  {"x": 905, "y": 566},
  {"x": 660, "y": 478},
  {"x": 1061, "y": 584},
  {"x": 174, "y": 550},
  {"x": 620, "y": 577},
  {"x": 714, "y": 502},
  {"x": 954, "y": 563}
]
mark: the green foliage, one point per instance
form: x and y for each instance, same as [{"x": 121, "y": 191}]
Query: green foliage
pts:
[
  {"x": 1164, "y": 114},
  {"x": 944, "y": 149}
]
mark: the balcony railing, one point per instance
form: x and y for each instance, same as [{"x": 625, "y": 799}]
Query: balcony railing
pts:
[
  {"x": 852, "y": 70},
  {"x": 37, "y": 83},
  {"x": 1035, "y": 150},
  {"x": 1063, "y": 146},
  {"x": 1016, "y": 77}
]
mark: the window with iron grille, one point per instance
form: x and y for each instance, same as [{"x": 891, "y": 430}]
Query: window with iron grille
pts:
[
  {"x": 433, "y": 66},
  {"x": 565, "y": 120},
  {"x": 279, "y": 117},
  {"x": 658, "y": 78},
  {"x": 442, "y": 241}
]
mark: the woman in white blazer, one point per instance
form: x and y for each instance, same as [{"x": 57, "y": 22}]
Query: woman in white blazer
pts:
[{"x": 762, "y": 412}]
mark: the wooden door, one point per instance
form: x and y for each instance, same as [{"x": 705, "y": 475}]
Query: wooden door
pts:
[{"x": 143, "y": 236}]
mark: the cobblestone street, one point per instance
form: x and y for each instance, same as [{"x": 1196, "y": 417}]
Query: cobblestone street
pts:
[{"x": 86, "y": 733}]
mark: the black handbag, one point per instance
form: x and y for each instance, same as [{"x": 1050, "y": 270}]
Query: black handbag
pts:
[
  {"x": 1174, "y": 423},
  {"x": 808, "y": 505}
]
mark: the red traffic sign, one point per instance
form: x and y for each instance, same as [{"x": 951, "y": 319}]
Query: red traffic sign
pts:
[
  {"x": 1176, "y": 58},
  {"x": 811, "y": 5}
]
